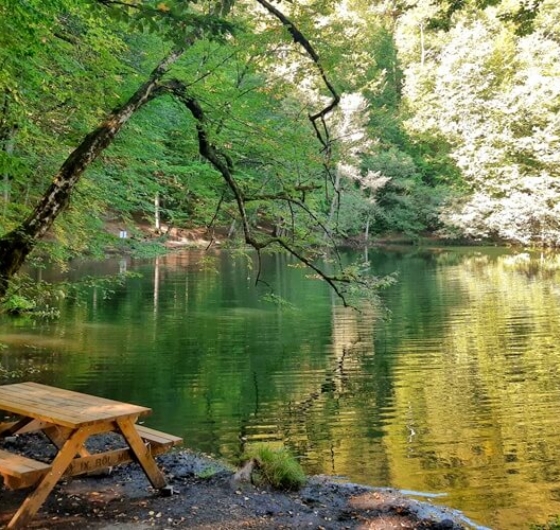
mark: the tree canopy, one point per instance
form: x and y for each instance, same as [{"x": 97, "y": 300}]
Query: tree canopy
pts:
[{"x": 299, "y": 123}]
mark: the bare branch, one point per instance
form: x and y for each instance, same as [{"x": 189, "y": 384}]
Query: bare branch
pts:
[
  {"x": 259, "y": 269},
  {"x": 332, "y": 281},
  {"x": 284, "y": 196},
  {"x": 318, "y": 119},
  {"x": 221, "y": 161}
]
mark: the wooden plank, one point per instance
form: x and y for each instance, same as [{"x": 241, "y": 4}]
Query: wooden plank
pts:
[
  {"x": 32, "y": 399},
  {"x": 18, "y": 466},
  {"x": 158, "y": 438},
  {"x": 22, "y": 427},
  {"x": 97, "y": 462},
  {"x": 8, "y": 429},
  {"x": 107, "y": 459},
  {"x": 85, "y": 415},
  {"x": 63, "y": 407},
  {"x": 58, "y": 436},
  {"x": 17, "y": 483}
]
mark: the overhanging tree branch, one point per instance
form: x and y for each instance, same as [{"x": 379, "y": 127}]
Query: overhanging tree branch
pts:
[
  {"x": 333, "y": 281},
  {"x": 292, "y": 201},
  {"x": 318, "y": 119},
  {"x": 109, "y": 3},
  {"x": 17, "y": 244},
  {"x": 221, "y": 161},
  {"x": 224, "y": 165}
]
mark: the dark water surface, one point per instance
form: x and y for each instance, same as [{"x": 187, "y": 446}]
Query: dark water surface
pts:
[{"x": 458, "y": 393}]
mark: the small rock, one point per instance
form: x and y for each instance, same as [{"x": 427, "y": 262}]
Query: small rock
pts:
[{"x": 167, "y": 491}]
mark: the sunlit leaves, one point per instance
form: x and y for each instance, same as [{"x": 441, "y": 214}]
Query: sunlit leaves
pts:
[
  {"x": 494, "y": 95},
  {"x": 174, "y": 20}
]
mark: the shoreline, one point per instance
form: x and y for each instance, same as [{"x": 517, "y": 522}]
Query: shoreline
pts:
[{"x": 204, "y": 494}]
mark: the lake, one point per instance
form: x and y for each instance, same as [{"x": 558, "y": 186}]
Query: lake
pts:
[{"x": 454, "y": 389}]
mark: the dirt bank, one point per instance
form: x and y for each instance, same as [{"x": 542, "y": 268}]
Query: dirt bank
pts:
[{"x": 204, "y": 495}]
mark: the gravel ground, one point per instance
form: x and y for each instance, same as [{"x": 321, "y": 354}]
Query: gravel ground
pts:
[{"x": 204, "y": 494}]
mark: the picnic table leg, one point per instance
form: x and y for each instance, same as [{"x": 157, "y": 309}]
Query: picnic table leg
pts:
[
  {"x": 34, "y": 501},
  {"x": 142, "y": 453}
]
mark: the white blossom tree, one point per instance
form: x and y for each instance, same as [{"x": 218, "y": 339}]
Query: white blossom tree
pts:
[{"x": 493, "y": 95}]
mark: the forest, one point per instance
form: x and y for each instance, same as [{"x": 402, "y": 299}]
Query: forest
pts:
[{"x": 295, "y": 124}]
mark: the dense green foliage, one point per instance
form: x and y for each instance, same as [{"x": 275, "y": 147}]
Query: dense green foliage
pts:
[{"x": 447, "y": 122}]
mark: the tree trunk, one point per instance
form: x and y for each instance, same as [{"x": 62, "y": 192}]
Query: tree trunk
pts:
[
  {"x": 231, "y": 230},
  {"x": 157, "y": 220},
  {"x": 335, "y": 200},
  {"x": 17, "y": 244},
  {"x": 8, "y": 147},
  {"x": 422, "y": 46},
  {"x": 366, "y": 234}
]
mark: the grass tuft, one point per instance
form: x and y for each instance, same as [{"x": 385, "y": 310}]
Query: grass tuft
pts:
[{"x": 277, "y": 468}]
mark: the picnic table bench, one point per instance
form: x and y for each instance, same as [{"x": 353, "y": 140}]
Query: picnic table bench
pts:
[{"x": 68, "y": 419}]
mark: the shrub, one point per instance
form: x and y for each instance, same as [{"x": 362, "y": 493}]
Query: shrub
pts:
[{"x": 16, "y": 304}]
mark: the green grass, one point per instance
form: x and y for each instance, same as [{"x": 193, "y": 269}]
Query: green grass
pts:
[
  {"x": 277, "y": 468},
  {"x": 207, "y": 472}
]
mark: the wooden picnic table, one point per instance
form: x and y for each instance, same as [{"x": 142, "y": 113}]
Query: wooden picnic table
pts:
[{"x": 68, "y": 419}]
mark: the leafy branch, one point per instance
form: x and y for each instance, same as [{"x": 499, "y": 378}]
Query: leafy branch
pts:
[
  {"x": 299, "y": 38},
  {"x": 225, "y": 166},
  {"x": 318, "y": 119}
]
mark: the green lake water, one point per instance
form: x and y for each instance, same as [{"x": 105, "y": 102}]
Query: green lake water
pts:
[{"x": 458, "y": 393}]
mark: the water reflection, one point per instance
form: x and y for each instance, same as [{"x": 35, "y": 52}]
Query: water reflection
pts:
[
  {"x": 482, "y": 382},
  {"x": 457, "y": 393}
]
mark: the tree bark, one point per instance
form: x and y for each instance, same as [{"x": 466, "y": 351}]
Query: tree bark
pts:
[
  {"x": 335, "y": 202},
  {"x": 16, "y": 245},
  {"x": 9, "y": 141}
]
